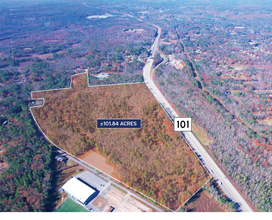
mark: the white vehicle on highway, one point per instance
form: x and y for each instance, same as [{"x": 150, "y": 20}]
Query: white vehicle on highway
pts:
[{"x": 228, "y": 187}]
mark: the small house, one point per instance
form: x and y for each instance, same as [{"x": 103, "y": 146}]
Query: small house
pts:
[{"x": 61, "y": 158}]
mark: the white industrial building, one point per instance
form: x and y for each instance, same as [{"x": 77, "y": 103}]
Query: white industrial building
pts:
[{"x": 79, "y": 190}]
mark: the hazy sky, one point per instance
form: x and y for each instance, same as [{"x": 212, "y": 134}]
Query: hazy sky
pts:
[
  {"x": 156, "y": 1},
  {"x": 36, "y": 3}
]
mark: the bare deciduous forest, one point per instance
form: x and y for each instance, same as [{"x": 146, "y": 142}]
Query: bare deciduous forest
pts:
[
  {"x": 226, "y": 89},
  {"x": 154, "y": 159},
  {"x": 217, "y": 71}
]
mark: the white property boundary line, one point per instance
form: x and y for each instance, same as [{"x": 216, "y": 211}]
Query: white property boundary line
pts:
[
  {"x": 90, "y": 164},
  {"x": 93, "y": 166},
  {"x": 193, "y": 195},
  {"x": 75, "y": 156},
  {"x": 86, "y": 72},
  {"x": 191, "y": 150}
]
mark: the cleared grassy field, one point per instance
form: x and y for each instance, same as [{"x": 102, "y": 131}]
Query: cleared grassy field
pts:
[
  {"x": 204, "y": 140},
  {"x": 70, "y": 206}
]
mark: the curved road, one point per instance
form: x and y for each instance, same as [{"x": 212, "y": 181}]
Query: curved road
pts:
[{"x": 215, "y": 171}]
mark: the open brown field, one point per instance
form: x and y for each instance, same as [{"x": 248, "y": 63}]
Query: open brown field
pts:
[
  {"x": 3, "y": 166},
  {"x": 121, "y": 201},
  {"x": 154, "y": 159},
  {"x": 99, "y": 162},
  {"x": 265, "y": 121},
  {"x": 43, "y": 56}
]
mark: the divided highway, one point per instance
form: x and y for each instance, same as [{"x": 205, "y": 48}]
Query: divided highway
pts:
[{"x": 215, "y": 171}]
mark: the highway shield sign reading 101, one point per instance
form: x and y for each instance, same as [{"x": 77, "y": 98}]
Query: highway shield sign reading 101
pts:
[{"x": 183, "y": 124}]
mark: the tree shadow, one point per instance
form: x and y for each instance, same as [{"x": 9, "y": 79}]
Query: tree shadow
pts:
[
  {"x": 190, "y": 210},
  {"x": 53, "y": 194},
  {"x": 195, "y": 197}
]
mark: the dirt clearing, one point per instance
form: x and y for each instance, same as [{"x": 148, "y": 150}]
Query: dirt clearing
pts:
[
  {"x": 114, "y": 197},
  {"x": 100, "y": 202},
  {"x": 125, "y": 202},
  {"x": 99, "y": 162},
  {"x": 132, "y": 205}
]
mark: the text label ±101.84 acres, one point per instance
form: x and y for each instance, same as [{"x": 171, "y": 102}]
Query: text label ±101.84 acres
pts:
[{"x": 119, "y": 123}]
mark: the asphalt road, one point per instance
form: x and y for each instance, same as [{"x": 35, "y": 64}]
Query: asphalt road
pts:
[{"x": 215, "y": 171}]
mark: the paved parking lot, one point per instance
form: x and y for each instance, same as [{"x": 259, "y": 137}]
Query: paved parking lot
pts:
[
  {"x": 110, "y": 196},
  {"x": 93, "y": 180}
]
